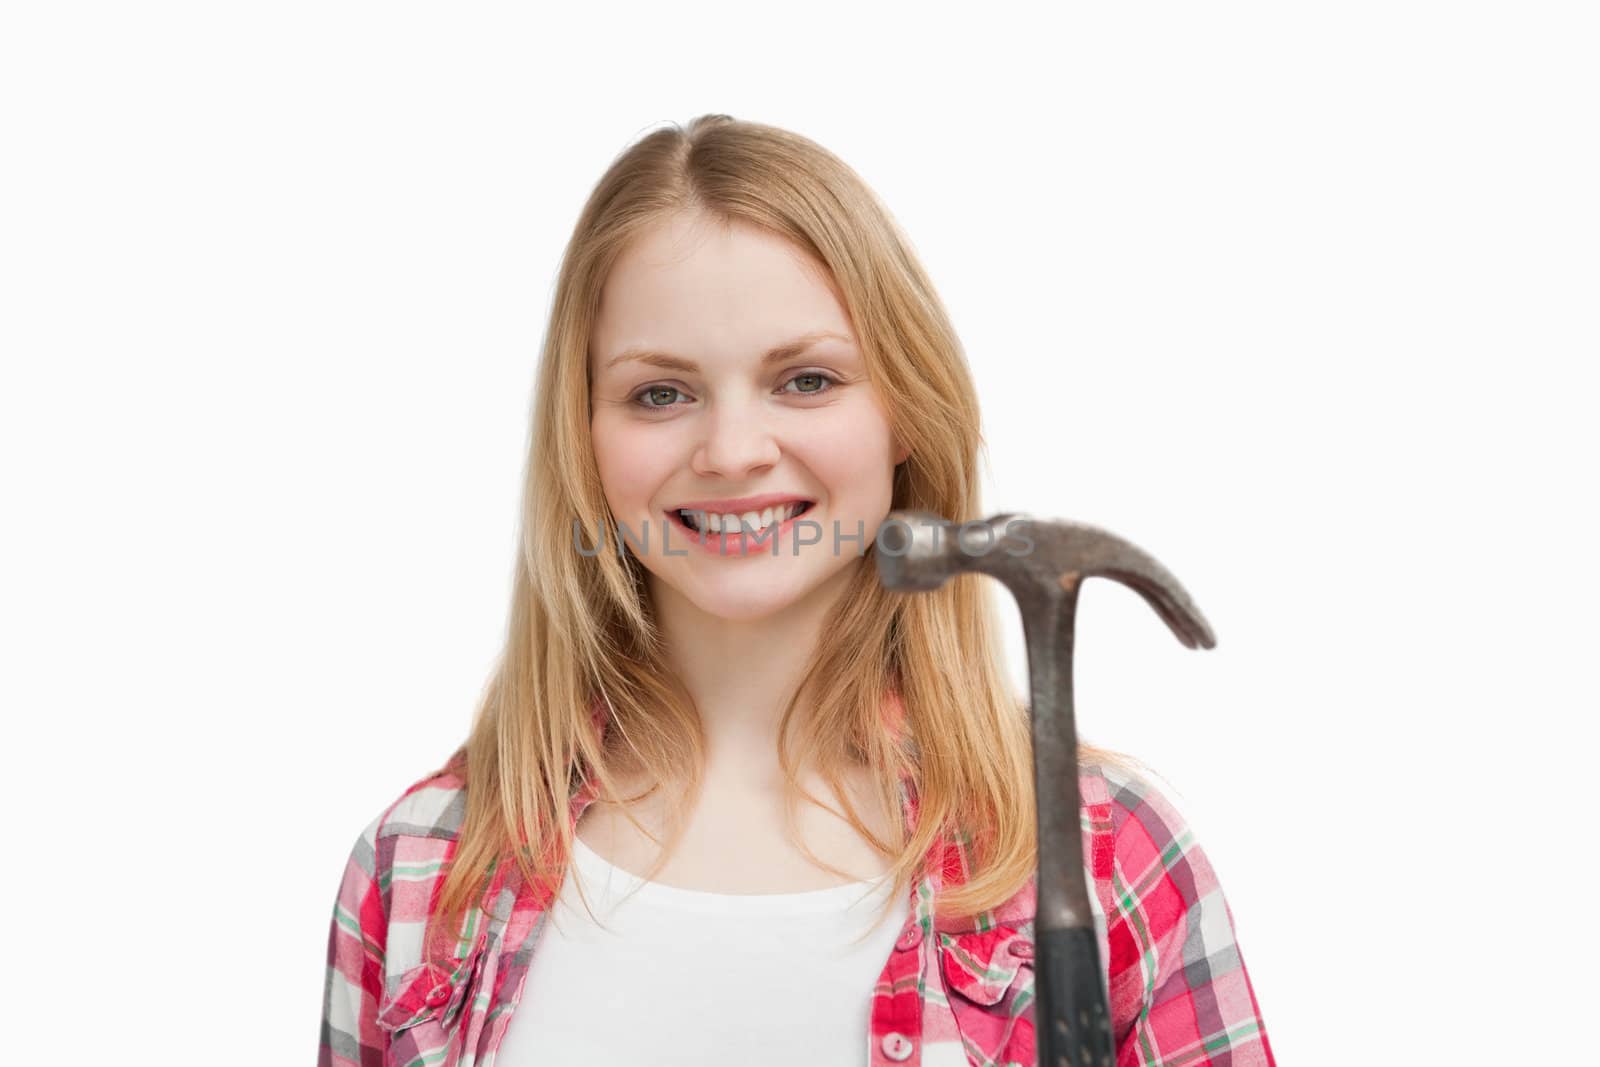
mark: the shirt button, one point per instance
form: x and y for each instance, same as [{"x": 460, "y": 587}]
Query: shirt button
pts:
[
  {"x": 910, "y": 937},
  {"x": 897, "y": 1046},
  {"x": 438, "y": 995},
  {"x": 1021, "y": 949}
]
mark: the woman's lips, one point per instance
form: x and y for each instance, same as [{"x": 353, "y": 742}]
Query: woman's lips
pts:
[{"x": 741, "y": 543}]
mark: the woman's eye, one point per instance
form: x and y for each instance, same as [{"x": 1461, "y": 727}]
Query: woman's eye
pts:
[
  {"x": 661, "y": 397},
  {"x": 652, "y": 393},
  {"x": 812, "y": 382}
]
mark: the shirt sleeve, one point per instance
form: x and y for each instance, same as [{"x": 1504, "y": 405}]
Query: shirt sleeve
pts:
[
  {"x": 351, "y": 1036},
  {"x": 1179, "y": 990}
]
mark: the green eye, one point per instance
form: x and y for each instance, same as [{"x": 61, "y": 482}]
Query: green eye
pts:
[
  {"x": 658, "y": 392},
  {"x": 816, "y": 377}
]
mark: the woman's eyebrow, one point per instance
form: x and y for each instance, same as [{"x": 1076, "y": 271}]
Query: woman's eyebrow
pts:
[{"x": 781, "y": 352}]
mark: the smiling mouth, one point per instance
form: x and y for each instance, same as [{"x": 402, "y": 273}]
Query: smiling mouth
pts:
[{"x": 718, "y": 525}]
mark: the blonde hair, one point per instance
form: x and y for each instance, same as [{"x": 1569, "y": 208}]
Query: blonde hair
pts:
[{"x": 581, "y": 628}]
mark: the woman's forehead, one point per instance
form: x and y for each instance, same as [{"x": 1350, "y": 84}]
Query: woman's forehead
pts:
[{"x": 732, "y": 290}]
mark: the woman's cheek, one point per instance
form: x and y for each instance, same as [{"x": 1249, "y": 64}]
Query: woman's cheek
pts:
[
  {"x": 855, "y": 442},
  {"x": 631, "y": 462}
]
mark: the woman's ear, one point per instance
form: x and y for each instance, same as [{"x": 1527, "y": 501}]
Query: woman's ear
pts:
[{"x": 900, "y": 454}]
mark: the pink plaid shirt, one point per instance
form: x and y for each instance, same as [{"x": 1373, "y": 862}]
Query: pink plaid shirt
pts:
[{"x": 1179, "y": 994}]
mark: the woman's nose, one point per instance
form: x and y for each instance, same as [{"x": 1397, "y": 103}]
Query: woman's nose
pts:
[{"x": 735, "y": 441}]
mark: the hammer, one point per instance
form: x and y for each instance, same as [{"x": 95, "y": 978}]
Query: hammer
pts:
[{"x": 1044, "y": 563}]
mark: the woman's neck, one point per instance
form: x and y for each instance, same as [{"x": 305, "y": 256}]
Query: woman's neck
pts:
[{"x": 741, "y": 673}]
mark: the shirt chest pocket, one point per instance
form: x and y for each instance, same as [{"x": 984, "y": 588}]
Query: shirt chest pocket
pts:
[
  {"x": 988, "y": 979},
  {"x": 421, "y": 1005},
  {"x": 987, "y": 967}
]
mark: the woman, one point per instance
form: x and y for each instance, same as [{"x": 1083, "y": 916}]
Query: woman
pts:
[{"x": 745, "y": 370}]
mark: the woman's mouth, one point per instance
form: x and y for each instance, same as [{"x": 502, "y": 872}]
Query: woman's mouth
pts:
[
  {"x": 749, "y": 522},
  {"x": 735, "y": 534}
]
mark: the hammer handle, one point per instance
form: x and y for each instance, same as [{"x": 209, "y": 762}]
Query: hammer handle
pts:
[
  {"x": 1076, "y": 1030},
  {"x": 1072, "y": 1025}
]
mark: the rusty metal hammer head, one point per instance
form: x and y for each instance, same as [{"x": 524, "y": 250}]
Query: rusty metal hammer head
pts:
[{"x": 1036, "y": 559}]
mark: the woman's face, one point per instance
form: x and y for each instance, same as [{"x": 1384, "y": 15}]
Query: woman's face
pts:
[{"x": 708, "y": 419}]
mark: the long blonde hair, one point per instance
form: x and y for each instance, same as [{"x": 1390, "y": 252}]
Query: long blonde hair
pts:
[{"x": 581, "y": 627}]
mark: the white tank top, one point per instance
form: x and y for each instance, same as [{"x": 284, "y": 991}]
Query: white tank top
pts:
[{"x": 677, "y": 976}]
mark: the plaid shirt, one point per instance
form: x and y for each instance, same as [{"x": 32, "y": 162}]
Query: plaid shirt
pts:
[{"x": 1178, "y": 991}]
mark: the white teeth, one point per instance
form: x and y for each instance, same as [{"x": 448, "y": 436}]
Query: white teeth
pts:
[{"x": 751, "y": 521}]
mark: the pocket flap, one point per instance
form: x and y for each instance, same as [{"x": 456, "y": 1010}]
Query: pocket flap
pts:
[
  {"x": 434, "y": 989},
  {"x": 981, "y": 965}
]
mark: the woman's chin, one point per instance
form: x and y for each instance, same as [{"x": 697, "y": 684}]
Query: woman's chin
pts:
[
  {"x": 743, "y": 597},
  {"x": 743, "y": 605},
  {"x": 751, "y": 590}
]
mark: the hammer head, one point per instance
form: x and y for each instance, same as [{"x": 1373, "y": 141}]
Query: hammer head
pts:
[{"x": 1038, "y": 560}]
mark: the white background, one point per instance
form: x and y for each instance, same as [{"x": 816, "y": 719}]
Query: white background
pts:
[{"x": 1302, "y": 299}]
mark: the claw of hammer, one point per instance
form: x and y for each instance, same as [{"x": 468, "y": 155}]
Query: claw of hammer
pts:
[{"x": 919, "y": 551}]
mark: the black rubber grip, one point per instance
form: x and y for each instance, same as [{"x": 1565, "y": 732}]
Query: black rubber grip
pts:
[{"x": 1072, "y": 1026}]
